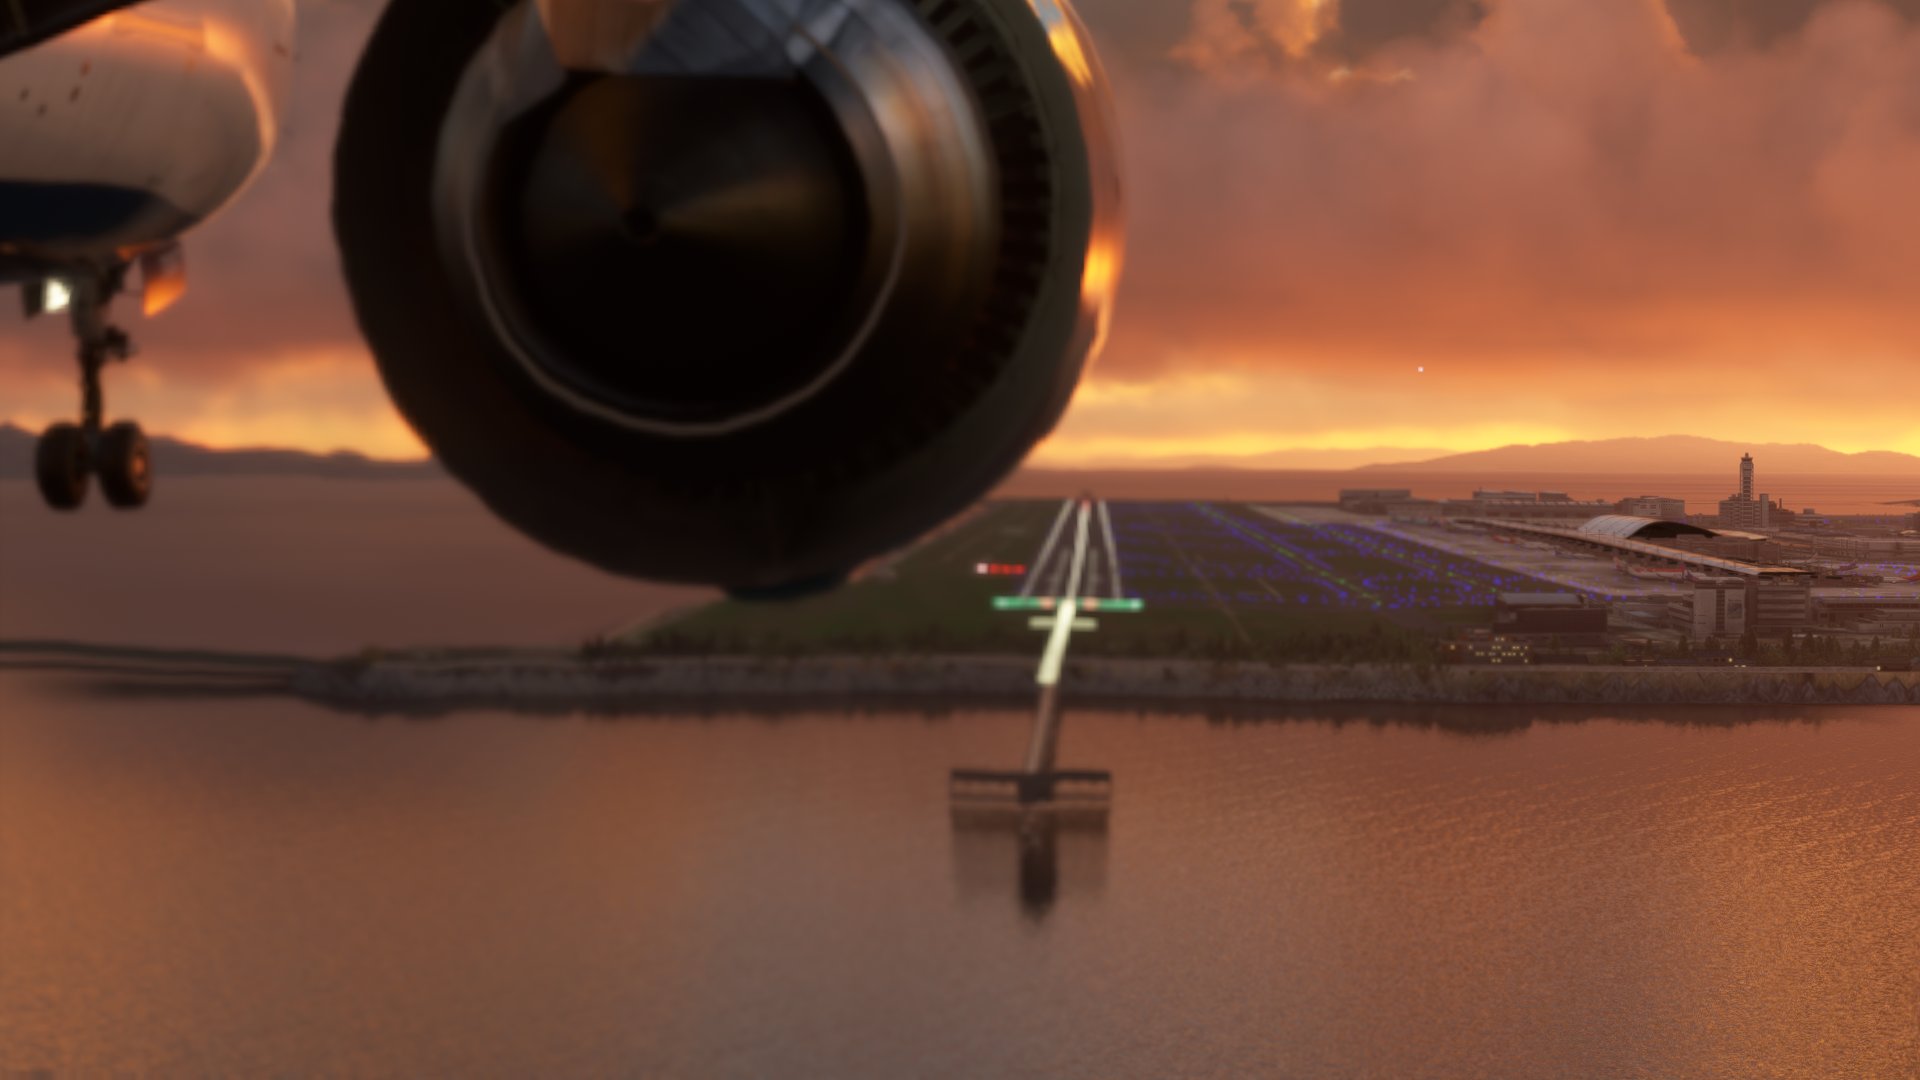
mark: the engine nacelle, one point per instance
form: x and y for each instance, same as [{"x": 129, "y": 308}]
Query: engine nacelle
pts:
[{"x": 738, "y": 292}]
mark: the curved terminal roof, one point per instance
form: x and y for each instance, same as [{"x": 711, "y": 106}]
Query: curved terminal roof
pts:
[{"x": 1631, "y": 527}]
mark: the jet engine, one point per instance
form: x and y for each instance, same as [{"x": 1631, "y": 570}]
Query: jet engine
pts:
[{"x": 736, "y": 292}]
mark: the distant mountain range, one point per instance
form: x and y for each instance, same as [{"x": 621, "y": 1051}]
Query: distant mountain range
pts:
[
  {"x": 1289, "y": 460},
  {"x": 1670, "y": 454},
  {"x": 173, "y": 457},
  {"x": 1667, "y": 454}
]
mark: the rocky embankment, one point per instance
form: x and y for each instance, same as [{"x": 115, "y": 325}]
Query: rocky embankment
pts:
[{"x": 554, "y": 683}]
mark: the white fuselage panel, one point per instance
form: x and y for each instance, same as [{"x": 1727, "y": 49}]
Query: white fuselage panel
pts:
[{"x": 121, "y": 133}]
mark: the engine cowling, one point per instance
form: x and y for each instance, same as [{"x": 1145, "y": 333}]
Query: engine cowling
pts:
[{"x": 740, "y": 292}]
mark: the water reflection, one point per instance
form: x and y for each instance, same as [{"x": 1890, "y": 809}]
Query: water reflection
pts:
[{"x": 1039, "y": 855}]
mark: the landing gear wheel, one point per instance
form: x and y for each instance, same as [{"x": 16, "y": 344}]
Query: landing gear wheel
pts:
[
  {"x": 126, "y": 473},
  {"x": 60, "y": 465}
]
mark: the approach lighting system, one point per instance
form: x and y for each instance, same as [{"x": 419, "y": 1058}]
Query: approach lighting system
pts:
[
  {"x": 1111, "y": 605},
  {"x": 1024, "y": 603},
  {"x": 734, "y": 292},
  {"x": 1000, "y": 569}
]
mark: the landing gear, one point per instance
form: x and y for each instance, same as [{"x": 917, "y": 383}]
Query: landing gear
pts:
[
  {"x": 68, "y": 453},
  {"x": 126, "y": 474},
  {"x": 61, "y": 466}
]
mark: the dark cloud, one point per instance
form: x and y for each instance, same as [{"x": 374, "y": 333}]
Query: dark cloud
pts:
[
  {"x": 1717, "y": 26},
  {"x": 1132, "y": 34},
  {"x": 1367, "y": 26}
]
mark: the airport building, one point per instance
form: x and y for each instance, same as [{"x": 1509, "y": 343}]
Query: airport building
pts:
[
  {"x": 1714, "y": 608},
  {"x": 1652, "y": 506},
  {"x": 1527, "y": 508},
  {"x": 1372, "y": 500},
  {"x": 1548, "y": 613},
  {"x": 1725, "y": 594},
  {"x": 1728, "y": 544},
  {"x": 1886, "y": 548},
  {"x": 1648, "y": 540},
  {"x": 1888, "y": 613},
  {"x": 1730, "y": 607},
  {"x": 1779, "y": 604},
  {"x": 1483, "y": 496}
]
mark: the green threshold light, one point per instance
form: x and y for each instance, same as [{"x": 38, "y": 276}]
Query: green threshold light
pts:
[{"x": 1051, "y": 603}]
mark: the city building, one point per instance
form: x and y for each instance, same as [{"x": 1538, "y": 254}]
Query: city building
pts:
[
  {"x": 1652, "y": 506},
  {"x": 1548, "y": 613},
  {"x": 1745, "y": 510},
  {"x": 1740, "y": 513}
]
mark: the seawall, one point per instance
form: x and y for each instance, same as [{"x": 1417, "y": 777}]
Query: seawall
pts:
[{"x": 558, "y": 683}]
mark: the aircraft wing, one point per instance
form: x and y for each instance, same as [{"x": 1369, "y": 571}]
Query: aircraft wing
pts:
[{"x": 26, "y": 23}]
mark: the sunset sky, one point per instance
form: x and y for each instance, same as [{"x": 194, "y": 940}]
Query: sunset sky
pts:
[{"x": 1582, "y": 218}]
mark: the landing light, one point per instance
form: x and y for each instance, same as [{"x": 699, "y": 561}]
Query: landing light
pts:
[{"x": 57, "y": 296}]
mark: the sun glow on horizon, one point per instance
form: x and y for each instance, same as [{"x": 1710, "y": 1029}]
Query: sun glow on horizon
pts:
[{"x": 319, "y": 403}]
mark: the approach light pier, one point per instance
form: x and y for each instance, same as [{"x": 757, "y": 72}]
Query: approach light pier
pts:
[{"x": 1082, "y": 579}]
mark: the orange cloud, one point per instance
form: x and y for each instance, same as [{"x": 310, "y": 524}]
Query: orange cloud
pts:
[
  {"x": 1587, "y": 225},
  {"x": 1583, "y": 219}
]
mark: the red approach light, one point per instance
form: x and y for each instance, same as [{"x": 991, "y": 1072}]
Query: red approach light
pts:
[{"x": 999, "y": 569}]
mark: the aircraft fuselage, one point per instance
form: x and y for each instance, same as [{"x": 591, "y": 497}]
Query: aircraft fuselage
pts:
[{"x": 119, "y": 135}]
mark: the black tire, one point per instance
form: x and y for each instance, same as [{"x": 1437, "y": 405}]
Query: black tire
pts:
[
  {"x": 60, "y": 465},
  {"x": 126, "y": 469}
]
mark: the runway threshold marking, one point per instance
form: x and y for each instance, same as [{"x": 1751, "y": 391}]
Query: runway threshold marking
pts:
[
  {"x": 1046, "y": 549},
  {"x": 1054, "y": 657},
  {"x": 1113, "y": 551}
]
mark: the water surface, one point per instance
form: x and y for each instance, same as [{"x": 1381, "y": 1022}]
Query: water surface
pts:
[{"x": 255, "y": 886}]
